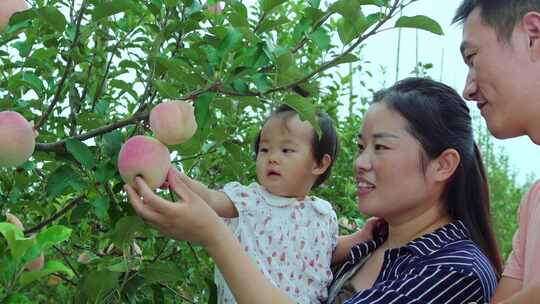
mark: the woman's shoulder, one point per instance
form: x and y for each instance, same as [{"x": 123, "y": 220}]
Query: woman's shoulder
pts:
[{"x": 451, "y": 247}]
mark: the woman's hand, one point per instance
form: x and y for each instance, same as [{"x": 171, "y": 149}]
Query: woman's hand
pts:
[{"x": 190, "y": 219}]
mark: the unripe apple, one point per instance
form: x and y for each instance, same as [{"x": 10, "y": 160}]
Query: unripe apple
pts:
[
  {"x": 215, "y": 9},
  {"x": 10, "y": 218},
  {"x": 17, "y": 139},
  {"x": 53, "y": 280},
  {"x": 146, "y": 157},
  {"x": 83, "y": 258},
  {"x": 8, "y": 8},
  {"x": 37, "y": 263},
  {"x": 173, "y": 122}
]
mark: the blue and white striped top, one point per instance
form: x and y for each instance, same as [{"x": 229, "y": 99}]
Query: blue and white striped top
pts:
[{"x": 444, "y": 266}]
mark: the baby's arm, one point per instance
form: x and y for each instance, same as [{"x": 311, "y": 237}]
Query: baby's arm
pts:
[
  {"x": 346, "y": 242},
  {"x": 217, "y": 200}
]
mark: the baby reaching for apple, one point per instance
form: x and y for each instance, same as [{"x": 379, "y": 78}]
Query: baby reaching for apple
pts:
[{"x": 291, "y": 236}]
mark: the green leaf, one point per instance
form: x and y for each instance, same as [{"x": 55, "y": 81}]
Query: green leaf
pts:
[
  {"x": 81, "y": 152},
  {"x": 166, "y": 89},
  {"x": 125, "y": 230},
  {"x": 52, "y": 16},
  {"x": 45, "y": 240},
  {"x": 18, "y": 298},
  {"x": 305, "y": 108},
  {"x": 34, "y": 82},
  {"x": 348, "y": 29},
  {"x": 163, "y": 272},
  {"x": 231, "y": 40},
  {"x": 112, "y": 143},
  {"x": 51, "y": 236},
  {"x": 321, "y": 38},
  {"x": 268, "y": 5},
  {"x": 314, "y": 3},
  {"x": 109, "y": 8},
  {"x": 17, "y": 243},
  {"x": 97, "y": 283},
  {"x": 345, "y": 59},
  {"x": 202, "y": 109},
  {"x": 49, "y": 267},
  {"x": 420, "y": 22},
  {"x": 59, "y": 181},
  {"x": 101, "y": 206}
]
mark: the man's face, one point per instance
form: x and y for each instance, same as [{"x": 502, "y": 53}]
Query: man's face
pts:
[{"x": 502, "y": 78}]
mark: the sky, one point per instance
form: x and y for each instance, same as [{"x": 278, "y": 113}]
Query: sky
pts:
[{"x": 381, "y": 50}]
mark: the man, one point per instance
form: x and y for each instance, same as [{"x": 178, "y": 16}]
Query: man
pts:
[{"x": 501, "y": 46}]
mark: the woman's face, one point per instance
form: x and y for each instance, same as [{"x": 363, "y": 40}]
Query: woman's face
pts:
[{"x": 391, "y": 182}]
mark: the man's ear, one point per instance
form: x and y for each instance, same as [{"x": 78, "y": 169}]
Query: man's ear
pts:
[
  {"x": 443, "y": 167},
  {"x": 321, "y": 167},
  {"x": 531, "y": 26}
]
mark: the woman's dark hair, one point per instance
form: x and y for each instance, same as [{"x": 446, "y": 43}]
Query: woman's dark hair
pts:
[
  {"x": 327, "y": 143},
  {"x": 439, "y": 119}
]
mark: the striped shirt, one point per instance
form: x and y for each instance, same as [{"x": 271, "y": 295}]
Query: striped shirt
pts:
[{"x": 444, "y": 266}]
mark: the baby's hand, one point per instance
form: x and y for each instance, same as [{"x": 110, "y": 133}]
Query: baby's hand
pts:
[{"x": 372, "y": 225}]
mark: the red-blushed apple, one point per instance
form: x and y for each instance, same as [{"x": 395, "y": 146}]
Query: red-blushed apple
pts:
[
  {"x": 17, "y": 139},
  {"x": 37, "y": 263},
  {"x": 173, "y": 122},
  {"x": 83, "y": 258},
  {"x": 53, "y": 280},
  {"x": 8, "y": 8},
  {"x": 10, "y": 218},
  {"x": 215, "y": 9},
  {"x": 146, "y": 157}
]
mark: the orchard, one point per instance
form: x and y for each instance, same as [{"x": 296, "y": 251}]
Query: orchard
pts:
[{"x": 96, "y": 92}]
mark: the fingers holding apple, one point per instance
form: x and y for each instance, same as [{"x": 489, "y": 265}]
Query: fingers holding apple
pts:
[{"x": 146, "y": 157}]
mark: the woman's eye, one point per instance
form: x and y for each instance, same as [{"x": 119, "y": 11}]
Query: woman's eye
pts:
[
  {"x": 380, "y": 147},
  {"x": 360, "y": 147},
  {"x": 287, "y": 150},
  {"x": 263, "y": 150}
]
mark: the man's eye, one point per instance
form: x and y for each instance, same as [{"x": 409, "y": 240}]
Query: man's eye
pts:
[
  {"x": 263, "y": 150},
  {"x": 360, "y": 147},
  {"x": 287, "y": 150},
  {"x": 470, "y": 59},
  {"x": 381, "y": 147}
]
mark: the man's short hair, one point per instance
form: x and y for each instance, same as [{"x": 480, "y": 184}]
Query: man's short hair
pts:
[{"x": 501, "y": 15}]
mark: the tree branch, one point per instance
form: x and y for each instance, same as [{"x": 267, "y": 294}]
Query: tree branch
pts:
[
  {"x": 332, "y": 62},
  {"x": 66, "y": 73},
  {"x": 56, "y": 216}
]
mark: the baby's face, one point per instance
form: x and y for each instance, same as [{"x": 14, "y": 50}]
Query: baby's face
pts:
[{"x": 285, "y": 162}]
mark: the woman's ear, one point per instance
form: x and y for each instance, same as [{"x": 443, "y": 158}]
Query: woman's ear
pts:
[
  {"x": 531, "y": 26},
  {"x": 443, "y": 167},
  {"x": 321, "y": 167}
]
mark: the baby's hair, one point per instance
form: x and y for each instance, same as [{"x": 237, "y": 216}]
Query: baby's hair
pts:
[{"x": 327, "y": 143}]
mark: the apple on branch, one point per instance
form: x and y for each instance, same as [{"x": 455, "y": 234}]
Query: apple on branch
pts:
[
  {"x": 173, "y": 122},
  {"x": 17, "y": 139}
]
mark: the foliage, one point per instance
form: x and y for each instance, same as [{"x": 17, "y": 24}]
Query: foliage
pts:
[
  {"x": 87, "y": 73},
  {"x": 504, "y": 190}
]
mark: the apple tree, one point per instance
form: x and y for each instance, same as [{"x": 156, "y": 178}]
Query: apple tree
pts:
[{"x": 88, "y": 72}]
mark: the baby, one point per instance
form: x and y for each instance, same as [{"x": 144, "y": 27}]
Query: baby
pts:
[{"x": 290, "y": 235}]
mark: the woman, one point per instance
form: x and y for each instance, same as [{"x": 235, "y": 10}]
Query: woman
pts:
[{"x": 419, "y": 169}]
